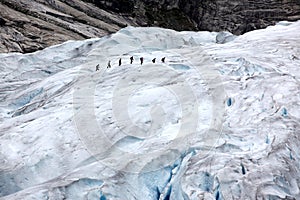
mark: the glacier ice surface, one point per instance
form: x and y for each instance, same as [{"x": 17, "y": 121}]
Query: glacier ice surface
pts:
[{"x": 218, "y": 120}]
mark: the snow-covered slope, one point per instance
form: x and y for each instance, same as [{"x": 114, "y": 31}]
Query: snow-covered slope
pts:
[{"x": 218, "y": 120}]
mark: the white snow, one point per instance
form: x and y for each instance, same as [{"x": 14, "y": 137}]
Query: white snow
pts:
[{"x": 218, "y": 120}]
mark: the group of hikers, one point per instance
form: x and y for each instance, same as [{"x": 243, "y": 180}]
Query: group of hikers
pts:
[{"x": 131, "y": 61}]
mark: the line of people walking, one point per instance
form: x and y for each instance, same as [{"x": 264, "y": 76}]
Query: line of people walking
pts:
[{"x": 131, "y": 61}]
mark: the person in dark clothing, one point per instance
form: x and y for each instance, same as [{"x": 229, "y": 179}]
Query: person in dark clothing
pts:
[
  {"x": 108, "y": 65},
  {"x": 163, "y": 59},
  {"x": 97, "y": 67},
  {"x": 153, "y": 60},
  {"x": 142, "y": 60},
  {"x": 120, "y": 61},
  {"x": 131, "y": 59}
]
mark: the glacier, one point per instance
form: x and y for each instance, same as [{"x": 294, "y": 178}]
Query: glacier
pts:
[{"x": 218, "y": 120}]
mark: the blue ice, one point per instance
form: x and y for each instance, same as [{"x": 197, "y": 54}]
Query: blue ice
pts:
[
  {"x": 267, "y": 140},
  {"x": 284, "y": 112},
  {"x": 156, "y": 181},
  {"x": 102, "y": 196},
  {"x": 26, "y": 98},
  {"x": 229, "y": 102},
  {"x": 180, "y": 66},
  {"x": 206, "y": 181}
]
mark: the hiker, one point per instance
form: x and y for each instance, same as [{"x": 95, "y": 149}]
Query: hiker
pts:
[
  {"x": 153, "y": 60},
  {"x": 108, "y": 64},
  {"x": 163, "y": 59},
  {"x": 97, "y": 67},
  {"x": 142, "y": 60},
  {"x": 120, "y": 62},
  {"x": 131, "y": 59}
]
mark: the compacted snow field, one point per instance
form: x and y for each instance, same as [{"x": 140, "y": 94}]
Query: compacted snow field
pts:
[{"x": 219, "y": 119}]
